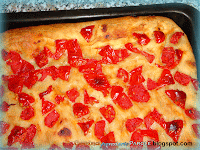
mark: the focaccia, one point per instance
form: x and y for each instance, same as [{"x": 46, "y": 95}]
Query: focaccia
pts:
[{"x": 107, "y": 83}]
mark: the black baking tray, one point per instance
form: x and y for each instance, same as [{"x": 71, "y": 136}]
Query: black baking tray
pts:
[{"x": 186, "y": 17}]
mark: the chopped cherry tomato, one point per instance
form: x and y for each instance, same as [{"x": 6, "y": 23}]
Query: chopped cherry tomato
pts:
[
  {"x": 30, "y": 78},
  {"x": 42, "y": 58},
  {"x": 25, "y": 99},
  {"x": 51, "y": 119},
  {"x": 88, "y": 99},
  {"x": 47, "y": 106},
  {"x": 109, "y": 138},
  {"x": 132, "y": 124},
  {"x": 49, "y": 90},
  {"x": 15, "y": 84},
  {"x": 85, "y": 126},
  {"x": 148, "y": 56},
  {"x": 120, "y": 97},
  {"x": 65, "y": 132},
  {"x": 4, "y": 106},
  {"x": 182, "y": 78},
  {"x": 192, "y": 113},
  {"x": 165, "y": 78},
  {"x": 99, "y": 129},
  {"x": 110, "y": 56},
  {"x": 59, "y": 99},
  {"x": 148, "y": 120},
  {"x": 30, "y": 134},
  {"x": 153, "y": 134},
  {"x": 108, "y": 113},
  {"x": 175, "y": 37},
  {"x": 87, "y": 32},
  {"x": 17, "y": 134},
  {"x": 138, "y": 93},
  {"x": 61, "y": 47},
  {"x": 80, "y": 109},
  {"x": 195, "y": 83},
  {"x": 27, "y": 113},
  {"x": 151, "y": 84},
  {"x": 1, "y": 91},
  {"x": 82, "y": 146},
  {"x": 143, "y": 39},
  {"x": 122, "y": 73},
  {"x": 54, "y": 147},
  {"x": 136, "y": 76},
  {"x": 160, "y": 36},
  {"x": 74, "y": 51},
  {"x": 51, "y": 71},
  {"x": 3, "y": 127},
  {"x": 64, "y": 72},
  {"x": 178, "y": 97},
  {"x": 173, "y": 129},
  {"x": 72, "y": 94},
  {"x": 68, "y": 145},
  {"x": 196, "y": 128}
]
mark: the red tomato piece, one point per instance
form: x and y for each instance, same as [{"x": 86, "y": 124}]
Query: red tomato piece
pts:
[
  {"x": 148, "y": 121},
  {"x": 30, "y": 78},
  {"x": 168, "y": 55},
  {"x": 3, "y": 127},
  {"x": 25, "y": 99},
  {"x": 173, "y": 129},
  {"x": 175, "y": 37},
  {"x": 72, "y": 94},
  {"x": 195, "y": 83},
  {"x": 108, "y": 113},
  {"x": 153, "y": 134},
  {"x": 182, "y": 78},
  {"x": 165, "y": 78},
  {"x": 74, "y": 51},
  {"x": 15, "y": 84},
  {"x": 28, "y": 141},
  {"x": 80, "y": 110},
  {"x": 132, "y": 124},
  {"x": 91, "y": 67},
  {"x": 115, "y": 92},
  {"x": 4, "y": 106},
  {"x": 47, "y": 106},
  {"x": 151, "y": 84},
  {"x": 156, "y": 116},
  {"x": 136, "y": 137},
  {"x": 82, "y": 146},
  {"x": 68, "y": 145},
  {"x": 108, "y": 138},
  {"x": 17, "y": 134},
  {"x": 130, "y": 47},
  {"x": 61, "y": 47},
  {"x": 27, "y": 113},
  {"x": 59, "y": 99},
  {"x": 87, "y": 32},
  {"x": 51, "y": 119},
  {"x": 148, "y": 56},
  {"x": 64, "y": 72},
  {"x": 51, "y": 71},
  {"x": 124, "y": 101},
  {"x": 136, "y": 76},
  {"x": 159, "y": 36},
  {"x": 99, "y": 129},
  {"x": 49, "y": 90},
  {"x": 85, "y": 126},
  {"x": 42, "y": 58},
  {"x": 178, "y": 97},
  {"x": 143, "y": 39},
  {"x": 122, "y": 73},
  {"x": 192, "y": 113},
  {"x": 55, "y": 147},
  {"x": 98, "y": 81},
  {"x": 88, "y": 99},
  {"x": 196, "y": 128},
  {"x": 138, "y": 93},
  {"x": 110, "y": 56}
]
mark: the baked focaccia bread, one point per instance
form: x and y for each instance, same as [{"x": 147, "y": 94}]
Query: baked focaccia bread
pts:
[{"x": 107, "y": 83}]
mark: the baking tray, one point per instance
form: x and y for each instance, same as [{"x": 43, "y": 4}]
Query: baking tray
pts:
[{"x": 186, "y": 17}]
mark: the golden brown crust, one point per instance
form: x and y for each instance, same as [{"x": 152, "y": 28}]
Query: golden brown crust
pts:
[{"x": 116, "y": 33}]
